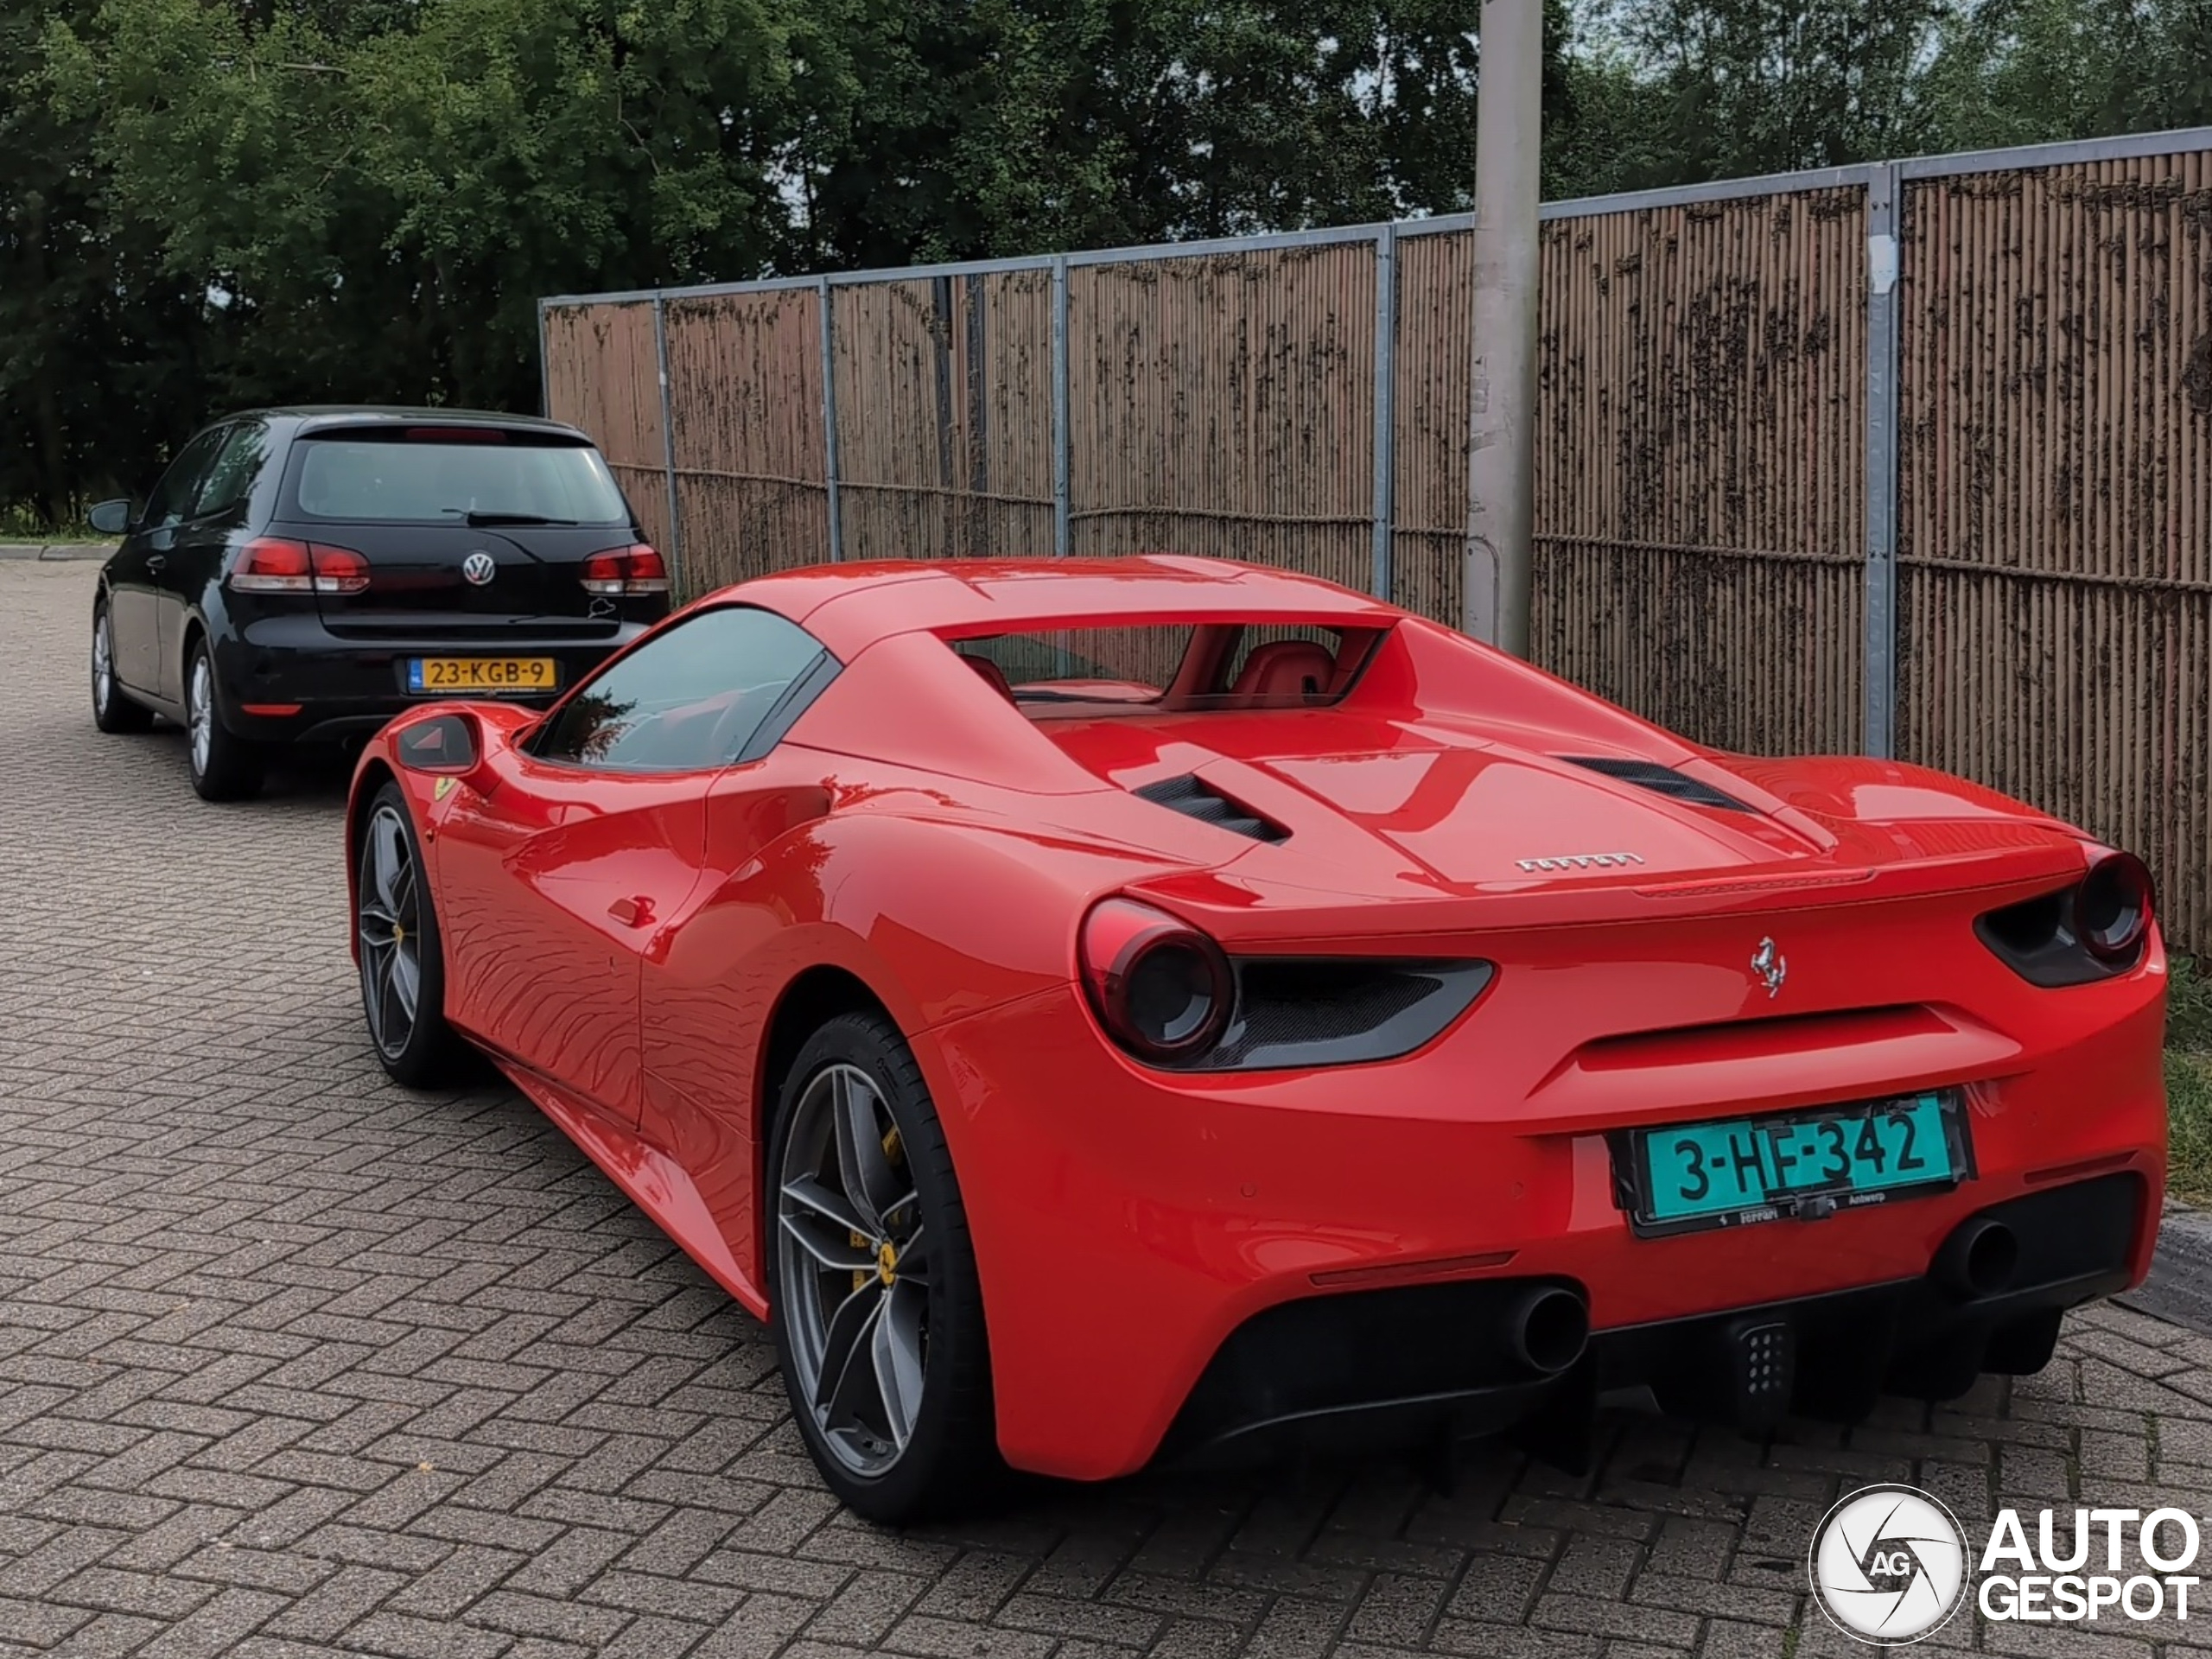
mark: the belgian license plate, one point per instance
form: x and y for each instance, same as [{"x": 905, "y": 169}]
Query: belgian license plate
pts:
[
  {"x": 1743, "y": 1170},
  {"x": 481, "y": 674}
]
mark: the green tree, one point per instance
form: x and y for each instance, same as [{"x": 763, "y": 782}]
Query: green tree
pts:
[
  {"x": 2015, "y": 71},
  {"x": 374, "y": 211},
  {"x": 94, "y": 332},
  {"x": 1750, "y": 87}
]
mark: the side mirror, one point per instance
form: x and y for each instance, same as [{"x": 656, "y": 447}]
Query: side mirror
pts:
[
  {"x": 447, "y": 745},
  {"x": 110, "y": 517}
]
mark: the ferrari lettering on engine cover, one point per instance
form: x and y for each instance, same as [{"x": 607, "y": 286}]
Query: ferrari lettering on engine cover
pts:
[{"x": 1580, "y": 861}]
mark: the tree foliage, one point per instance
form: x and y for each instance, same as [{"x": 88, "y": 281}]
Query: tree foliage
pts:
[{"x": 216, "y": 202}]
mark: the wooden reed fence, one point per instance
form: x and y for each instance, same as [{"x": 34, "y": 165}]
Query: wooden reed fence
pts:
[{"x": 1911, "y": 459}]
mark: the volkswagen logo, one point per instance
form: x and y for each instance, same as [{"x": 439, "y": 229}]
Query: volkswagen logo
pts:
[
  {"x": 478, "y": 568},
  {"x": 1888, "y": 1565},
  {"x": 1769, "y": 967}
]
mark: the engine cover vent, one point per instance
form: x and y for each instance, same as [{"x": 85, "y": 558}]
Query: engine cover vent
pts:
[
  {"x": 1660, "y": 780},
  {"x": 1194, "y": 799}
]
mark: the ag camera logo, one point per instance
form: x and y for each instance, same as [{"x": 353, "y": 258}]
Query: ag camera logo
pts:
[{"x": 1888, "y": 1565}]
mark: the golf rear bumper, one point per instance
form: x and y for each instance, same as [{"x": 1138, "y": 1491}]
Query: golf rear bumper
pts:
[{"x": 290, "y": 679}]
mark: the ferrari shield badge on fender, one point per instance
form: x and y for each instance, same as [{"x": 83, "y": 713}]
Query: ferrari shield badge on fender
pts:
[{"x": 442, "y": 788}]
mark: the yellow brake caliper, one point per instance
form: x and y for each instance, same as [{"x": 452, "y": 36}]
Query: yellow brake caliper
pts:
[{"x": 895, "y": 1150}]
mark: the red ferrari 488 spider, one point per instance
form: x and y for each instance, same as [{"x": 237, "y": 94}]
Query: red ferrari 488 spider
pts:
[{"x": 1106, "y": 1010}]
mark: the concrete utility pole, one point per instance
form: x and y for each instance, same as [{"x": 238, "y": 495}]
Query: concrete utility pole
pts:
[{"x": 1501, "y": 472}]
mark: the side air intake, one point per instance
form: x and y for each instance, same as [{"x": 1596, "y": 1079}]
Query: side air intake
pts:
[
  {"x": 1660, "y": 780},
  {"x": 1194, "y": 799}
]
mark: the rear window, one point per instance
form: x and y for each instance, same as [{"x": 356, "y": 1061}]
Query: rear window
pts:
[
  {"x": 1175, "y": 667},
  {"x": 419, "y": 477}
]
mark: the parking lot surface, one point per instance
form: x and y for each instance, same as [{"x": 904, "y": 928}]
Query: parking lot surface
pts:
[{"x": 293, "y": 1361}]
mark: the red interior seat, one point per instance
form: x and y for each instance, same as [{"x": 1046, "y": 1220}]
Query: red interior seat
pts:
[{"x": 1285, "y": 668}]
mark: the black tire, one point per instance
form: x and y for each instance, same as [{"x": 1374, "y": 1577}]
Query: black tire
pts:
[
  {"x": 224, "y": 766},
  {"x": 428, "y": 1053},
  {"x": 113, "y": 711},
  {"x": 949, "y": 1462}
]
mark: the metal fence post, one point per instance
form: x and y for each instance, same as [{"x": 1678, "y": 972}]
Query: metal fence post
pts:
[
  {"x": 667, "y": 445},
  {"x": 829, "y": 422},
  {"x": 1061, "y": 438},
  {"x": 1881, "y": 663},
  {"x": 1386, "y": 405},
  {"x": 544, "y": 364},
  {"x": 979, "y": 515}
]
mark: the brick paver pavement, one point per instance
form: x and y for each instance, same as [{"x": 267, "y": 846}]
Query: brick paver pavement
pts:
[{"x": 294, "y": 1362}]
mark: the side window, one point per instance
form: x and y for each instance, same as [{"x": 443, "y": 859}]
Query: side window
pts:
[
  {"x": 688, "y": 700},
  {"x": 230, "y": 480},
  {"x": 172, "y": 501}
]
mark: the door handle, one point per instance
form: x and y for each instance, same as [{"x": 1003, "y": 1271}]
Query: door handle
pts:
[{"x": 632, "y": 912}]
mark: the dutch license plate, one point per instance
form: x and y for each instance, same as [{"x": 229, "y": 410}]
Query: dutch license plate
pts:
[
  {"x": 481, "y": 674},
  {"x": 1750, "y": 1170}
]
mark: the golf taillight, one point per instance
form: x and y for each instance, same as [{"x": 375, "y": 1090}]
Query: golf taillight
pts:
[
  {"x": 1161, "y": 988},
  {"x": 337, "y": 570},
  {"x": 2112, "y": 907},
  {"x": 275, "y": 564},
  {"x": 624, "y": 570}
]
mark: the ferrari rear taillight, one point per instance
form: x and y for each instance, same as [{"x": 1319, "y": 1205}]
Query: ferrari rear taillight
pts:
[
  {"x": 1162, "y": 990},
  {"x": 2112, "y": 907},
  {"x": 621, "y": 571},
  {"x": 2078, "y": 935},
  {"x": 274, "y": 564}
]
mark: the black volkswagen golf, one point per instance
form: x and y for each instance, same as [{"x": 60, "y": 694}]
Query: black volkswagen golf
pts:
[{"x": 300, "y": 575}]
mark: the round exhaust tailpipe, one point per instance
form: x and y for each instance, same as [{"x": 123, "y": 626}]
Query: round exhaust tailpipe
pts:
[
  {"x": 1979, "y": 1259},
  {"x": 1548, "y": 1329}
]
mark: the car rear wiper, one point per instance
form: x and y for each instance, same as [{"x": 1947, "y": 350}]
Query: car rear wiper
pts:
[{"x": 476, "y": 520}]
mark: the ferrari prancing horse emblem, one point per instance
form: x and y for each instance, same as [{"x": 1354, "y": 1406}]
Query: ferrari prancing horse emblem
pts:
[
  {"x": 442, "y": 788},
  {"x": 1771, "y": 967}
]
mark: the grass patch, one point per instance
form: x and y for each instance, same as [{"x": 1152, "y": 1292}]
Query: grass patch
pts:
[
  {"x": 2188, "y": 1081},
  {"x": 2188, "y": 1006},
  {"x": 2189, "y": 1116},
  {"x": 19, "y": 524}
]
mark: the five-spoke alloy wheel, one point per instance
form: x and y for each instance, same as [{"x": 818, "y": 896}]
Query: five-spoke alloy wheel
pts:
[
  {"x": 389, "y": 919},
  {"x": 396, "y": 930},
  {"x": 877, "y": 1310},
  {"x": 224, "y": 766},
  {"x": 112, "y": 711}
]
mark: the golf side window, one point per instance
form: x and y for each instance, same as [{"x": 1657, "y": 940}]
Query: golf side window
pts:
[
  {"x": 172, "y": 501},
  {"x": 229, "y": 477},
  {"x": 715, "y": 689}
]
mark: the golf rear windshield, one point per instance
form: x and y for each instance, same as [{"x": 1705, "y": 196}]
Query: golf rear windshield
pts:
[
  {"x": 420, "y": 475},
  {"x": 1170, "y": 667}
]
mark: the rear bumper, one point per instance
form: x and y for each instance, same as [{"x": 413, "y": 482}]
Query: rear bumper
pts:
[
  {"x": 1423, "y": 1362},
  {"x": 331, "y": 689},
  {"x": 1127, "y": 1224}
]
